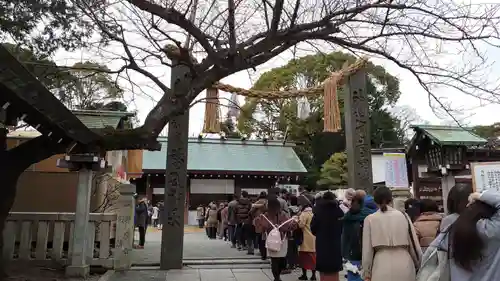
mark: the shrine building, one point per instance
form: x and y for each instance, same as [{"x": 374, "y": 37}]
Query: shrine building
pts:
[{"x": 221, "y": 167}]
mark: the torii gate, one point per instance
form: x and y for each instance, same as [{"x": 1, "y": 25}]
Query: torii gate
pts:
[{"x": 357, "y": 140}]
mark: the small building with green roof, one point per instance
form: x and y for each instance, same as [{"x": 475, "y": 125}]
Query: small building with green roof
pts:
[
  {"x": 218, "y": 168},
  {"x": 435, "y": 151}
]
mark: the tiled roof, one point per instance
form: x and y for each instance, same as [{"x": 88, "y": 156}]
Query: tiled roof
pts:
[
  {"x": 231, "y": 155},
  {"x": 98, "y": 119},
  {"x": 93, "y": 119},
  {"x": 449, "y": 135}
]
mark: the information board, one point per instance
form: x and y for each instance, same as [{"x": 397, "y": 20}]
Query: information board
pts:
[
  {"x": 485, "y": 176},
  {"x": 396, "y": 173}
]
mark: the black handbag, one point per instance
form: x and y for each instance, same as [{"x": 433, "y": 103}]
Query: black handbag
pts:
[{"x": 298, "y": 236}]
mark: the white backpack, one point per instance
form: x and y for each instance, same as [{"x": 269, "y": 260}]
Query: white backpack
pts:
[{"x": 273, "y": 240}]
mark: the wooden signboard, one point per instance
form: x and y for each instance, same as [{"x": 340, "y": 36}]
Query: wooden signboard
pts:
[{"x": 485, "y": 176}]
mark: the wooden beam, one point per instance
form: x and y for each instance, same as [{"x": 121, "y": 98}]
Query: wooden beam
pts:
[{"x": 36, "y": 103}]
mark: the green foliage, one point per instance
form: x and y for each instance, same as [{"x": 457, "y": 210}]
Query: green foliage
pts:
[
  {"x": 89, "y": 87},
  {"x": 334, "y": 171},
  {"x": 488, "y": 131},
  {"x": 307, "y": 72},
  {"x": 229, "y": 128},
  {"x": 45, "y": 25},
  {"x": 274, "y": 118}
]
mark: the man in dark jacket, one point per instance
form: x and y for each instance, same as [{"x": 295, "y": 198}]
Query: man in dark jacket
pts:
[
  {"x": 231, "y": 220},
  {"x": 141, "y": 217},
  {"x": 243, "y": 227}
]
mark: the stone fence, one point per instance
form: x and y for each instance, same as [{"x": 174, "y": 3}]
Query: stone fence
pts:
[{"x": 47, "y": 238}]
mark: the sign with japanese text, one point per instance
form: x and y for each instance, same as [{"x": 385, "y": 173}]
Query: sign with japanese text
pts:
[
  {"x": 485, "y": 176},
  {"x": 396, "y": 173}
]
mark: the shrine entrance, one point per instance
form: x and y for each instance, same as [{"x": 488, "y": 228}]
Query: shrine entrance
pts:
[{"x": 176, "y": 244}]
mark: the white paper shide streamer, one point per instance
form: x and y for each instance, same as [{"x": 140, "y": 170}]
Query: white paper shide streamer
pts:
[{"x": 303, "y": 108}]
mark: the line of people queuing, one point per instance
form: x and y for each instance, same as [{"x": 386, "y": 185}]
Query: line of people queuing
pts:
[
  {"x": 365, "y": 235},
  {"x": 310, "y": 227},
  {"x": 425, "y": 245}
]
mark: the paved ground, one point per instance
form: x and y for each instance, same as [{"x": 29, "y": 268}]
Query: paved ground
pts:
[
  {"x": 234, "y": 267},
  {"x": 196, "y": 246},
  {"x": 202, "y": 275}
]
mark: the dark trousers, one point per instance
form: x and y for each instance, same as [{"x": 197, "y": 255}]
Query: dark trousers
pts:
[
  {"x": 292, "y": 254},
  {"x": 231, "y": 229},
  {"x": 201, "y": 223},
  {"x": 277, "y": 265},
  {"x": 212, "y": 232},
  {"x": 249, "y": 233},
  {"x": 142, "y": 235},
  {"x": 225, "y": 231},
  {"x": 240, "y": 241},
  {"x": 261, "y": 241}
]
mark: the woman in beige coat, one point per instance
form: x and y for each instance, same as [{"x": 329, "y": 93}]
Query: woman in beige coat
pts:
[
  {"x": 391, "y": 251},
  {"x": 307, "y": 250}
]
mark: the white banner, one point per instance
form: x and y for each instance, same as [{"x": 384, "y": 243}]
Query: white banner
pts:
[{"x": 396, "y": 172}]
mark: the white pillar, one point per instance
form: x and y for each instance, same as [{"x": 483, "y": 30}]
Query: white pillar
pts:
[
  {"x": 124, "y": 238},
  {"x": 399, "y": 196},
  {"x": 79, "y": 266}
]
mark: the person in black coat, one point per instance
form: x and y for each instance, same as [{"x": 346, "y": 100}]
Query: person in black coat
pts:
[{"x": 326, "y": 225}]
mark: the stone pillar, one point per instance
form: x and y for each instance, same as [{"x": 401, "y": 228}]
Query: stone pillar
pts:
[
  {"x": 357, "y": 128},
  {"x": 86, "y": 165},
  {"x": 79, "y": 266},
  {"x": 399, "y": 196},
  {"x": 124, "y": 237},
  {"x": 175, "y": 182},
  {"x": 447, "y": 182}
]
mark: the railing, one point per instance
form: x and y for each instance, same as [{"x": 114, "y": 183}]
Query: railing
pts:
[{"x": 47, "y": 237}]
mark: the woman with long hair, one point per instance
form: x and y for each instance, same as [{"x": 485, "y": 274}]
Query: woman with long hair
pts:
[
  {"x": 390, "y": 250},
  {"x": 457, "y": 201},
  {"x": 475, "y": 240},
  {"x": 436, "y": 259},
  {"x": 326, "y": 226}
]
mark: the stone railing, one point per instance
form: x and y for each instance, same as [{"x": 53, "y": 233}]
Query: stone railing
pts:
[{"x": 47, "y": 238}]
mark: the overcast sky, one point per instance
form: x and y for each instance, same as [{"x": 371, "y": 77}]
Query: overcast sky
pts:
[{"x": 475, "y": 111}]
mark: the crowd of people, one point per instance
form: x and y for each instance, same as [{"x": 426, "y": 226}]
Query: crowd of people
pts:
[{"x": 361, "y": 233}]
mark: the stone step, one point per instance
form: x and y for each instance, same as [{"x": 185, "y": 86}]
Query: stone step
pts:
[
  {"x": 214, "y": 261},
  {"x": 208, "y": 265},
  {"x": 231, "y": 266},
  {"x": 224, "y": 261}
]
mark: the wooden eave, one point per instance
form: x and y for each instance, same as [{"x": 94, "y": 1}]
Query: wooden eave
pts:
[{"x": 25, "y": 97}]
